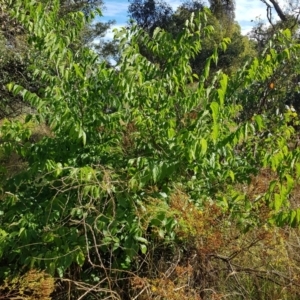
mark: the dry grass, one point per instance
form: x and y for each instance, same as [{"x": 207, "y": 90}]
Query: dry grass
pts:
[
  {"x": 33, "y": 285},
  {"x": 214, "y": 259}
]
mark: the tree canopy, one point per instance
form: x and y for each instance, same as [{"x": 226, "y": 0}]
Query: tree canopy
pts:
[
  {"x": 221, "y": 20},
  {"x": 223, "y": 8},
  {"x": 149, "y": 14}
]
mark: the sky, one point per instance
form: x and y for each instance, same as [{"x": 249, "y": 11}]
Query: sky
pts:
[{"x": 246, "y": 10}]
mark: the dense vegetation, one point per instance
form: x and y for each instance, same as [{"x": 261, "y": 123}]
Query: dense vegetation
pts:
[
  {"x": 149, "y": 181},
  {"x": 15, "y": 59},
  {"x": 150, "y": 14}
]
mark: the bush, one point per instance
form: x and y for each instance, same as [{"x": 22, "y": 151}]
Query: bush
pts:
[{"x": 143, "y": 181}]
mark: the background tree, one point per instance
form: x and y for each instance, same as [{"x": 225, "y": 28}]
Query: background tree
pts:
[
  {"x": 239, "y": 49},
  {"x": 86, "y": 6},
  {"x": 286, "y": 16},
  {"x": 285, "y": 83},
  {"x": 149, "y": 14},
  {"x": 223, "y": 9},
  {"x": 183, "y": 13},
  {"x": 14, "y": 65}
]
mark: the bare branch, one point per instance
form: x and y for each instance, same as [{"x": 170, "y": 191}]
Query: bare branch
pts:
[{"x": 277, "y": 8}]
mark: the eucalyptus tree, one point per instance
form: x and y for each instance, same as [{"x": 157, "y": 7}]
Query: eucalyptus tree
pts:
[
  {"x": 223, "y": 8},
  {"x": 149, "y": 14}
]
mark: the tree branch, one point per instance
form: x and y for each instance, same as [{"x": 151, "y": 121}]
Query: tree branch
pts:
[{"x": 277, "y": 8}]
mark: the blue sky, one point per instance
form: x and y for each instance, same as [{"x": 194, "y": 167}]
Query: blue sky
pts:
[{"x": 246, "y": 10}]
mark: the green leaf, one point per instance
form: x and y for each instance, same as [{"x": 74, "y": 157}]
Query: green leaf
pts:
[
  {"x": 287, "y": 33},
  {"x": 171, "y": 133},
  {"x": 215, "y": 110},
  {"x": 221, "y": 96},
  {"x": 298, "y": 170},
  {"x": 156, "y": 32},
  {"x": 48, "y": 237},
  {"x": 290, "y": 182},
  {"x": 297, "y": 220},
  {"x": 22, "y": 230},
  {"x": 28, "y": 118},
  {"x": 16, "y": 89},
  {"x": 215, "y": 56},
  {"x": 60, "y": 271},
  {"x": 80, "y": 258},
  {"x": 83, "y": 138},
  {"x": 215, "y": 132},
  {"x": 277, "y": 202},
  {"x": 155, "y": 172},
  {"x": 143, "y": 248},
  {"x": 259, "y": 121},
  {"x": 287, "y": 53},
  {"x": 231, "y": 175},
  {"x": 141, "y": 239},
  {"x": 51, "y": 266},
  {"x": 203, "y": 144},
  {"x": 222, "y": 90},
  {"x": 293, "y": 220},
  {"x": 78, "y": 71},
  {"x": 207, "y": 68},
  {"x": 10, "y": 86}
]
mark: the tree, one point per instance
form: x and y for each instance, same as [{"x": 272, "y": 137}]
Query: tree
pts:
[
  {"x": 224, "y": 9},
  {"x": 149, "y": 14},
  {"x": 85, "y": 6},
  {"x": 286, "y": 82},
  {"x": 13, "y": 62},
  {"x": 238, "y": 50},
  {"x": 183, "y": 13},
  {"x": 224, "y": 27},
  {"x": 289, "y": 17},
  {"x": 277, "y": 8}
]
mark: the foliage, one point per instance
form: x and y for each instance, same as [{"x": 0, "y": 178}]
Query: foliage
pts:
[
  {"x": 139, "y": 166},
  {"x": 277, "y": 77},
  {"x": 149, "y": 14},
  {"x": 14, "y": 62},
  {"x": 284, "y": 81},
  {"x": 223, "y": 9},
  {"x": 86, "y": 6},
  {"x": 222, "y": 26}
]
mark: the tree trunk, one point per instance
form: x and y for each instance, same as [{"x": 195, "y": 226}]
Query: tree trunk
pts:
[{"x": 279, "y": 11}]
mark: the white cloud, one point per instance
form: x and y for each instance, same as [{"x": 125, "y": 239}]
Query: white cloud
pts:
[
  {"x": 174, "y": 4},
  {"x": 247, "y": 11},
  {"x": 115, "y": 9}
]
